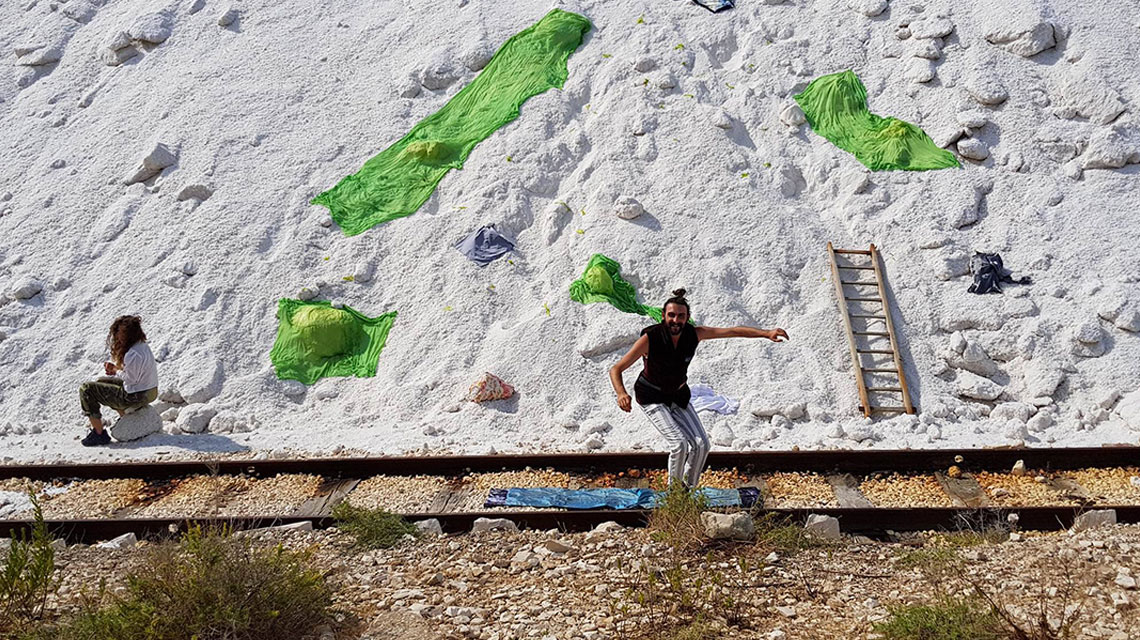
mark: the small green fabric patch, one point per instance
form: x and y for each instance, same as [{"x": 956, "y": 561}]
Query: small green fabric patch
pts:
[
  {"x": 602, "y": 282},
  {"x": 836, "y": 108},
  {"x": 316, "y": 340},
  {"x": 396, "y": 182}
]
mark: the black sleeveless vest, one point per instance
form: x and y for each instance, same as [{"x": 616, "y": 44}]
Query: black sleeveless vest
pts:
[{"x": 666, "y": 368}]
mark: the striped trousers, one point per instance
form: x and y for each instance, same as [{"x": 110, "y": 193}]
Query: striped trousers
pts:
[{"x": 688, "y": 443}]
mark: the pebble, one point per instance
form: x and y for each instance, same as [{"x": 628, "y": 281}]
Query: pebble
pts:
[
  {"x": 973, "y": 149},
  {"x": 228, "y": 17}
]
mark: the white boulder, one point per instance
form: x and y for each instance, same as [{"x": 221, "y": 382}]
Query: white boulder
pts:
[
  {"x": 200, "y": 378},
  {"x": 974, "y": 386},
  {"x": 628, "y": 208},
  {"x": 159, "y": 158},
  {"x": 195, "y": 418},
  {"x": 136, "y": 425},
  {"x": 728, "y": 526}
]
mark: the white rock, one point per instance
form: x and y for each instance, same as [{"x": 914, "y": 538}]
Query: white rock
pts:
[
  {"x": 728, "y": 526},
  {"x": 869, "y": 8},
  {"x": 303, "y": 525},
  {"x": 986, "y": 89},
  {"x": 38, "y": 55},
  {"x": 200, "y": 378},
  {"x": 125, "y": 541},
  {"x": 493, "y": 524},
  {"x": 723, "y": 436},
  {"x": 1129, "y": 409},
  {"x": 795, "y": 411},
  {"x": 931, "y": 28},
  {"x": 228, "y": 17},
  {"x": 608, "y": 527},
  {"x": 919, "y": 70},
  {"x": 927, "y": 49},
  {"x": 1018, "y": 411},
  {"x": 793, "y": 116},
  {"x": 974, "y": 386},
  {"x": 152, "y": 28},
  {"x": 159, "y": 158},
  {"x": 195, "y": 418},
  {"x": 1108, "y": 399},
  {"x": 1094, "y": 519},
  {"x": 1087, "y": 339},
  {"x": 958, "y": 342},
  {"x": 1021, "y": 28},
  {"x": 307, "y": 293},
  {"x": 1125, "y": 581},
  {"x": 1040, "y": 422},
  {"x": 973, "y": 149},
  {"x": 859, "y": 432},
  {"x": 363, "y": 271},
  {"x": 430, "y": 526},
  {"x": 25, "y": 289},
  {"x": 1018, "y": 468},
  {"x": 645, "y": 64},
  {"x": 292, "y": 388},
  {"x": 594, "y": 442},
  {"x": 824, "y": 527},
  {"x": 558, "y": 546},
  {"x": 1111, "y": 149},
  {"x": 1084, "y": 92},
  {"x": 136, "y": 425},
  {"x": 722, "y": 120},
  {"x": 199, "y": 192},
  {"x": 171, "y": 414},
  {"x": 628, "y": 208}
]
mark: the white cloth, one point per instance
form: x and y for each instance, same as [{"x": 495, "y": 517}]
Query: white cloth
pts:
[
  {"x": 139, "y": 372},
  {"x": 705, "y": 399}
]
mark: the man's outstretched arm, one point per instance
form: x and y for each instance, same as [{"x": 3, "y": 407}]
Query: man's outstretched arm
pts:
[
  {"x": 710, "y": 333},
  {"x": 638, "y": 350}
]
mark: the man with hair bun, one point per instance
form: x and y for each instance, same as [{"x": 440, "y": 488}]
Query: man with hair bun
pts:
[
  {"x": 666, "y": 350},
  {"x": 134, "y": 388}
]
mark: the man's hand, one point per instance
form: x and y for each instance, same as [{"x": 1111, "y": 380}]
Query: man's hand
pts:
[
  {"x": 624, "y": 402},
  {"x": 109, "y": 367},
  {"x": 775, "y": 334}
]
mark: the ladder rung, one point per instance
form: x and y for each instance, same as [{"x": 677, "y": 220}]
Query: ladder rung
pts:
[
  {"x": 858, "y": 268},
  {"x": 888, "y": 409},
  {"x": 862, "y": 252},
  {"x": 874, "y": 351},
  {"x": 864, "y": 299},
  {"x": 865, "y": 284},
  {"x": 872, "y": 333},
  {"x": 898, "y": 389},
  {"x": 858, "y": 315},
  {"x": 893, "y": 371}
]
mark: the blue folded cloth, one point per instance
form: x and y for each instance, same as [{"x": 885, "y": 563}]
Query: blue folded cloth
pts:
[
  {"x": 610, "y": 498},
  {"x": 485, "y": 245}
]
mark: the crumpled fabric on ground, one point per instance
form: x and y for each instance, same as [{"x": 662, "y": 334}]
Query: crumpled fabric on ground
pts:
[
  {"x": 401, "y": 178},
  {"x": 703, "y": 398},
  {"x": 611, "y": 498},
  {"x": 489, "y": 387},
  {"x": 485, "y": 245},
  {"x": 989, "y": 273},
  {"x": 602, "y": 282},
  {"x": 836, "y": 108},
  {"x": 317, "y": 340},
  {"x": 716, "y": 5}
]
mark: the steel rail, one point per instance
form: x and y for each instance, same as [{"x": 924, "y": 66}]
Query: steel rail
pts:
[
  {"x": 842, "y": 461},
  {"x": 874, "y": 522}
]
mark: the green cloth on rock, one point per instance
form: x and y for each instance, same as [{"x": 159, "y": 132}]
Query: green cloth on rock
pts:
[
  {"x": 602, "y": 282},
  {"x": 396, "y": 182},
  {"x": 836, "y": 108},
  {"x": 316, "y": 340}
]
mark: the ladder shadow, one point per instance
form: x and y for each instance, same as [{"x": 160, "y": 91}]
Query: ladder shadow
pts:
[{"x": 914, "y": 383}]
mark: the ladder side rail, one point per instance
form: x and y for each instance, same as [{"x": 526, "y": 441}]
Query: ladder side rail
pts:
[
  {"x": 875, "y": 262},
  {"x": 850, "y": 335}
]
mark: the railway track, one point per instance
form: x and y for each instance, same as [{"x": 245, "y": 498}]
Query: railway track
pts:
[{"x": 871, "y": 492}]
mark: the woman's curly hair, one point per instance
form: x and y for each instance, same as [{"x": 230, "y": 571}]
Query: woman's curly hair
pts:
[{"x": 125, "y": 332}]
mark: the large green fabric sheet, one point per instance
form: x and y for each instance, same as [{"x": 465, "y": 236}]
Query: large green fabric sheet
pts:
[
  {"x": 396, "y": 182},
  {"x": 316, "y": 340},
  {"x": 602, "y": 282},
  {"x": 836, "y": 108}
]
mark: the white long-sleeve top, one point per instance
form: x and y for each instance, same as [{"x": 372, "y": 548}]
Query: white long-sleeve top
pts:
[{"x": 139, "y": 372}]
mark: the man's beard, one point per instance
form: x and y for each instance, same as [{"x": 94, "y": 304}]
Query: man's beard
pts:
[{"x": 675, "y": 328}]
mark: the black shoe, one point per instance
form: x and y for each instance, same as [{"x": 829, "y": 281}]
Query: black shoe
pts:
[{"x": 95, "y": 439}]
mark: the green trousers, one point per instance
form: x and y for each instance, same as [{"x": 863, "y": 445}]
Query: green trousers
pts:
[{"x": 108, "y": 392}]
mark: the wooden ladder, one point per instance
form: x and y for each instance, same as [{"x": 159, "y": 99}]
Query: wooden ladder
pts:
[{"x": 868, "y": 335}]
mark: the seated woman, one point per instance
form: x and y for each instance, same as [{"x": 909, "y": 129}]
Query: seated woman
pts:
[{"x": 136, "y": 387}]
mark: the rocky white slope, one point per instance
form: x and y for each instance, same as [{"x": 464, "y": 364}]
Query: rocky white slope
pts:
[{"x": 157, "y": 157}]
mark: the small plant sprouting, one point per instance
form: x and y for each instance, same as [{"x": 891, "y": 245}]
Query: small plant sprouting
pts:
[
  {"x": 730, "y": 86},
  {"x": 579, "y": 231},
  {"x": 510, "y": 158},
  {"x": 349, "y": 278},
  {"x": 744, "y": 175},
  {"x": 546, "y": 308},
  {"x": 641, "y": 19},
  {"x": 680, "y": 47},
  {"x": 767, "y": 165},
  {"x": 607, "y": 55},
  {"x": 689, "y": 95}
]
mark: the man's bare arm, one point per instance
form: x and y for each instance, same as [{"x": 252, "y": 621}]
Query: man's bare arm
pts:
[
  {"x": 637, "y": 351},
  {"x": 711, "y": 333}
]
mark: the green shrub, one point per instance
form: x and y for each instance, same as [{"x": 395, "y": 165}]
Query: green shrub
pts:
[
  {"x": 775, "y": 531},
  {"x": 208, "y": 586},
  {"x": 949, "y": 619},
  {"x": 28, "y": 577},
  {"x": 374, "y": 528},
  {"x": 676, "y": 517}
]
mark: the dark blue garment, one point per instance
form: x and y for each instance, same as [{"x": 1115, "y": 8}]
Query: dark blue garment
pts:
[
  {"x": 610, "y": 498},
  {"x": 485, "y": 245},
  {"x": 716, "y": 5}
]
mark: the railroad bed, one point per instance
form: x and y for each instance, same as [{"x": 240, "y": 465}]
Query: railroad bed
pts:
[{"x": 871, "y": 492}]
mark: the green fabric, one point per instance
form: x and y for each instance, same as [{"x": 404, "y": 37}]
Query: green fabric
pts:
[
  {"x": 396, "y": 182},
  {"x": 316, "y": 340},
  {"x": 602, "y": 282},
  {"x": 836, "y": 108}
]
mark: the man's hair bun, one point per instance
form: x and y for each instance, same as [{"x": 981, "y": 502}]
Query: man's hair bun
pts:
[{"x": 680, "y": 293}]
